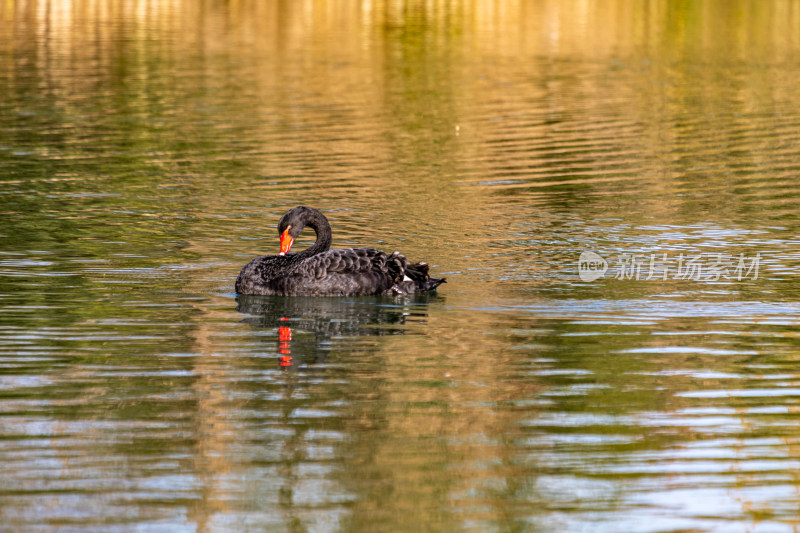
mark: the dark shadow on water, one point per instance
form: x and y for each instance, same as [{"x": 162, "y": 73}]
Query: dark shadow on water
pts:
[{"x": 309, "y": 328}]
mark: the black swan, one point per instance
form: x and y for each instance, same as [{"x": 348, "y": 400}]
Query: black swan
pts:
[{"x": 319, "y": 271}]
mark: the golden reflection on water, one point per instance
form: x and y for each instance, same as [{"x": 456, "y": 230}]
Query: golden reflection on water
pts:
[
  {"x": 388, "y": 101},
  {"x": 744, "y": 30}
]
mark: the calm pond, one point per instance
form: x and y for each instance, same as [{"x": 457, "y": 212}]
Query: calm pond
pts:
[{"x": 610, "y": 188}]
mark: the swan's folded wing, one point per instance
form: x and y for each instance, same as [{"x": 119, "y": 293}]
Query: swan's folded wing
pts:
[
  {"x": 353, "y": 272},
  {"x": 355, "y": 261}
]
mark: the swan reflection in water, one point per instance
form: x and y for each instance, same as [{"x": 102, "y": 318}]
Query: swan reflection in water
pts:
[{"x": 309, "y": 327}]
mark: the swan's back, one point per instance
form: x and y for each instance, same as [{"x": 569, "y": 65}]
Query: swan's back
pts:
[{"x": 354, "y": 271}]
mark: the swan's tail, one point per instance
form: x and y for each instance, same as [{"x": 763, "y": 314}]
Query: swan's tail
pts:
[
  {"x": 410, "y": 278},
  {"x": 418, "y": 273}
]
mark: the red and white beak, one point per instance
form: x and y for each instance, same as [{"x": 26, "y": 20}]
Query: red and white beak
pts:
[{"x": 286, "y": 241}]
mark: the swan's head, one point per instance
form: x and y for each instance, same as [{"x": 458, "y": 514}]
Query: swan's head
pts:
[{"x": 292, "y": 223}]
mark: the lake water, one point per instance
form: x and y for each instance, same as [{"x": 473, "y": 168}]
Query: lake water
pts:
[{"x": 148, "y": 148}]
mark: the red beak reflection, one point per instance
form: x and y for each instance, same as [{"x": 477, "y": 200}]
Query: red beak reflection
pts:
[{"x": 284, "y": 338}]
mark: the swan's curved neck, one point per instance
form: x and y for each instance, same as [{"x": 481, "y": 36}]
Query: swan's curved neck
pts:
[{"x": 322, "y": 228}]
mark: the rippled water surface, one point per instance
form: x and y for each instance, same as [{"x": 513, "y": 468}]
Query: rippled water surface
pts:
[{"x": 148, "y": 148}]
